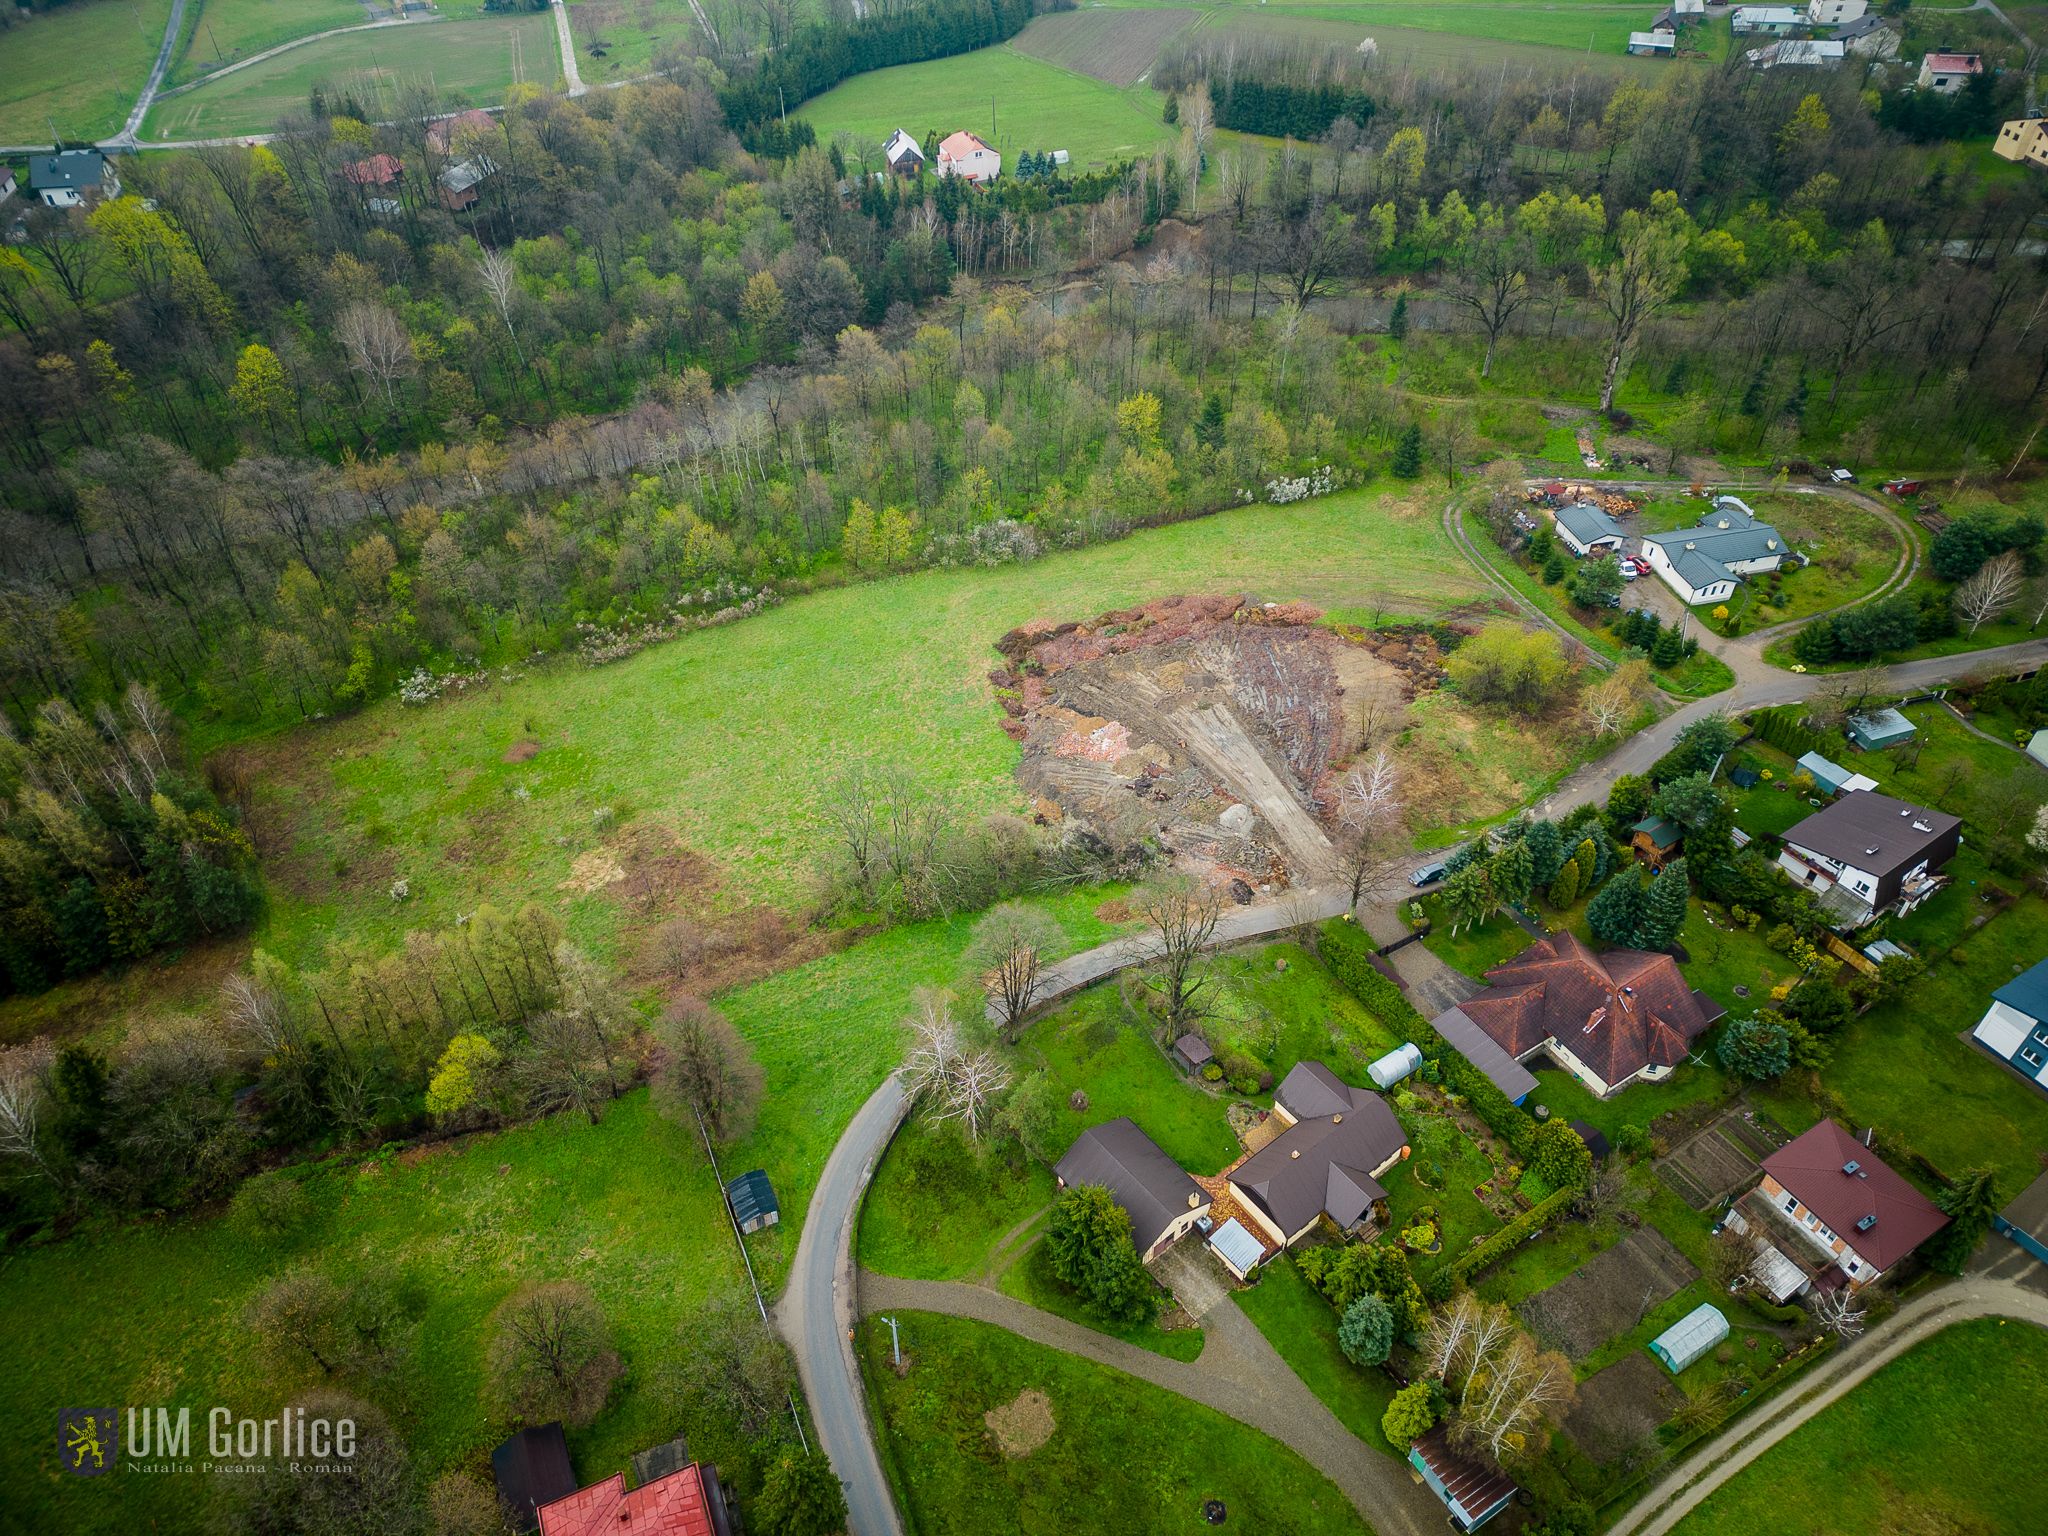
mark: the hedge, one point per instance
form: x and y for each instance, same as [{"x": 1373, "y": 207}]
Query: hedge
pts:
[
  {"x": 1781, "y": 729},
  {"x": 1347, "y": 951},
  {"x": 1515, "y": 1232}
]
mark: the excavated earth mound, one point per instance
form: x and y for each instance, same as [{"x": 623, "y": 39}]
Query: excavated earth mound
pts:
[{"x": 1210, "y": 728}]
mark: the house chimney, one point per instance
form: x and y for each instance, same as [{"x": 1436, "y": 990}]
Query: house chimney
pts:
[
  {"x": 1336, "y": 1119},
  {"x": 1295, "y": 1153}
]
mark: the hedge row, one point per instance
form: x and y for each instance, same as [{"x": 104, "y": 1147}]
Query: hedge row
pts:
[
  {"x": 1514, "y": 1233},
  {"x": 1781, "y": 729},
  {"x": 1348, "y": 951}
]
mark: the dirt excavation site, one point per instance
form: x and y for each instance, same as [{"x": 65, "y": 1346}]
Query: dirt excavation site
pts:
[{"x": 1216, "y": 729}]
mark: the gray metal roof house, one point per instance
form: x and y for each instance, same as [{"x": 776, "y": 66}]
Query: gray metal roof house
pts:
[
  {"x": 1159, "y": 1196},
  {"x": 1326, "y": 1163},
  {"x": 71, "y": 177},
  {"x": 1871, "y": 852},
  {"x": 1485, "y": 1053},
  {"x": 1584, "y": 527}
]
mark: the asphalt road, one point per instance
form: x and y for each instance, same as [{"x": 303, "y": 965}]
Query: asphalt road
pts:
[
  {"x": 816, "y": 1314},
  {"x": 126, "y": 137}
]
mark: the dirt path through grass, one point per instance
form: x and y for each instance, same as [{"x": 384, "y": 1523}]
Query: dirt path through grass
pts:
[{"x": 1238, "y": 1374}]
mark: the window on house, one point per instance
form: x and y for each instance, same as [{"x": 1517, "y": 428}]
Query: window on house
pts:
[
  {"x": 1791, "y": 1205},
  {"x": 1853, "y": 1267},
  {"x": 2033, "y": 1057}
]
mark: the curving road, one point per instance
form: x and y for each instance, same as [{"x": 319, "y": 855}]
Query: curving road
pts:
[
  {"x": 125, "y": 139},
  {"x": 817, "y": 1311}
]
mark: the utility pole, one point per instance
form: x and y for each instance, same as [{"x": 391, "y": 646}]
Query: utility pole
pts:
[{"x": 895, "y": 1344}]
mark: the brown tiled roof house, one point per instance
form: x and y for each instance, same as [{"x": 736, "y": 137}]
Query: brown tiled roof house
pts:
[{"x": 1606, "y": 1018}]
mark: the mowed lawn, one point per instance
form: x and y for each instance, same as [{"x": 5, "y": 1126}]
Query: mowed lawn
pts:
[
  {"x": 1935, "y": 1441},
  {"x": 473, "y": 60},
  {"x": 1457, "y": 32},
  {"x": 79, "y": 66},
  {"x": 151, "y": 1314},
  {"x": 1112, "y": 1453},
  {"x": 226, "y": 30},
  {"x": 1015, "y": 102},
  {"x": 731, "y": 739}
]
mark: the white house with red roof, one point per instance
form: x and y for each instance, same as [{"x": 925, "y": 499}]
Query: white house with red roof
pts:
[
  {"x": 1949, "y": 72},
  {"x": 968, "y": 155},
  {"x": 1834, "y": 1211}
]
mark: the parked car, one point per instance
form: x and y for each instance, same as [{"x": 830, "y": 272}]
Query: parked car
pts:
[
  {"x": 1429, "y": 874},
  {"x": 1902, "y": 488}
]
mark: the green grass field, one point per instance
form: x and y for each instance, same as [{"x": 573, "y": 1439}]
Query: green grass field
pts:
[
  {"x": 474, "y": 60},
  {"x": 1031, "y": 1280},
  {"x": 1014, "y": 101},
  {"x": 1139, "y": 1460},
  {"x": 1929, "y": 1443},
  {"x": 79, "y": 66},
  {"x": 631, "y": 32},
  {"x": 223, "y": 31},
  {"x": 1460, "y": 33},
  {"x": 1117, "y": 44},
  {"x": 152, "y": 1313},
  {"x": 732, "y": 737}
]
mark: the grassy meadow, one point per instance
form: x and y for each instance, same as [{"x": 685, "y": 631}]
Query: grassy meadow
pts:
[
  {"x": 218, "y": 32},
  {"x": 79, "y": 66},
  {"x": 474, "y": 59},
  {"x": 1012, "y": 100},
  {"x": 1927, "y": 1444},
  {"x": 1146, "y": 1457},
  {"x": 627, "y": 1208}
]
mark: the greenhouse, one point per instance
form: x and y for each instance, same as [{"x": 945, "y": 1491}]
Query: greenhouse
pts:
[{"x": 1690, "y": 1337}]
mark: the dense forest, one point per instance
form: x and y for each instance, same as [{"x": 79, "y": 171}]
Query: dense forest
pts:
[{"x": 276, "y": 449}]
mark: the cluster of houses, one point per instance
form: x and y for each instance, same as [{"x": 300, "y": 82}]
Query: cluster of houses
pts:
[
  {"x": 1702, "y": 564},
  {"x": 966, "y": 155},
  {"x": 1820, "y": 33},
  {"x": 378, "y": 177}
]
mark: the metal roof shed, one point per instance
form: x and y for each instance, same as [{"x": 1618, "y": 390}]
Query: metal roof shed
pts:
[
  {"x": 1879, "y": 729},
  {"x": 754, "y": 1205},
  {"x": 1237, "y": 1248},
  {"x": 1690, "y": 1337}
]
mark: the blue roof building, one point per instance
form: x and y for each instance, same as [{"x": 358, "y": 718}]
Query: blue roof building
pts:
[
  {"x": 1831, "y": 777},
  {"x": 754, "y": 1205},
  {"x": 2015, "y": 1027}
]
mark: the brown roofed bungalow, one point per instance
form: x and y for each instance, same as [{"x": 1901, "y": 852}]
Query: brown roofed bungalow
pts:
[
  {"x": 1326, "y": 1163},
  {"x": 1159, "y": 1196},
  {"x": 1607, "y": 1019}
]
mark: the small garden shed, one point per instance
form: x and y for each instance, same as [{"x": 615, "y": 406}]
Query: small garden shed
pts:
[
  {"x": 1690, "y": 1337},
  {"x": 1879, "y": 729},
  {"x": 1191, "y": 1052},
  {"x": 1237, "y": 1248},
  {"x": 754, "y": 1205}
]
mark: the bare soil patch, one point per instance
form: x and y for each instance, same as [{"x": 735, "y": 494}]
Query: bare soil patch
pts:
[
  {"x": 1715, "y": 1162},
  {"x": 1021, "y": 1425},
  {"x": 521, "y": 752},
  {"x": 1119, "y": 46},
  {"x": 593, "y": 870},
  {"x": 1610, "y": 1295},
  {"x": 1216, "y": 727},
  {"x": 1620, "y": 1408}
]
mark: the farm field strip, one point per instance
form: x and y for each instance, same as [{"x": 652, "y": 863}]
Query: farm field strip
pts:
[
  {"x": 77, "y": 69},
  {"x": 1119, "y": 46}
]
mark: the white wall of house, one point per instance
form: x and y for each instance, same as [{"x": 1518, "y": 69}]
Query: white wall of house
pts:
[
  {"x": 977, "y": 165},
  {"x": 1834, "y": 13},
  {"x": 2007, "y": 1031},
  {"x": 1712, "y": 592},
  {"x": 1821, "y": 1237},
  {"x": 1182, "y": 1225}
]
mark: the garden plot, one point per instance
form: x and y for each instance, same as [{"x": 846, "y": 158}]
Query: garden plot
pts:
[
  {"x": 1609, "y": 1296},
  {"x": 1119, "y": 46},
  {"x": 1213, "y": 725},
  {"x": 1620, "y": 1407},
  {"x": 1716, "y": 1162}
]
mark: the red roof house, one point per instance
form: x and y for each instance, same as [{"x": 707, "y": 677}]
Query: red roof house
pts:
[
  {"x": 443, "y": 132},
  {"x": 686, "y": 1502},
  {"x": 1608, "y": 1019},
  {"x": 377, "y": 171},
  {"x": 1853, "y": 1213}
]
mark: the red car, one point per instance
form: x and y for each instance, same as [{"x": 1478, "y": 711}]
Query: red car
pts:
[{"x": 1902, "y": 487}]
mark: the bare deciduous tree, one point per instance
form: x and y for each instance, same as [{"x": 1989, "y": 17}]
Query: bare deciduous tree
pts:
[
  {"x": 702, "y": 1068},
  {"x": 1839, "y": 1311},
  {"x": 377, "y": 346},
  {"x": 1989, "y": 593},
  {"x": 24, "y": 1092},
  {"x": 501, "y": 282},
  {"x": 1182, "y": 916},
  {"x": 1502, "y": 1387},
  {"x": 1006, "y": 956},
  {"x": 1371, "y": 814},
  {"x": 551, "y": 1354},
  {"x": 957, "y": 1080}
]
